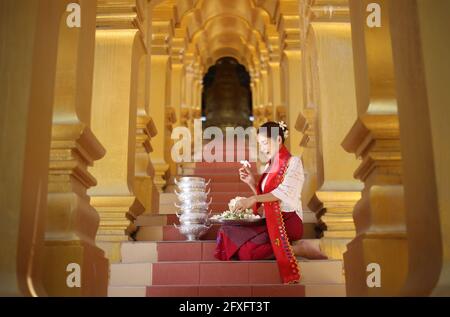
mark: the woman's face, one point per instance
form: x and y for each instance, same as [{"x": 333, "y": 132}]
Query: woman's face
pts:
[{"x": 268, "y": 146}]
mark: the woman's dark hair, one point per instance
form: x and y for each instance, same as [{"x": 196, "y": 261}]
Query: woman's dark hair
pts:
[{"x": 270, "y": 130}]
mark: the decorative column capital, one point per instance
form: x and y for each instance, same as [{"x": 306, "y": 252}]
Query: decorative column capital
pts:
[
  {"x": 171, "y": 117},
  {"x": 288, "y": 25},
  {"x": 185, "y": 114},
  {"x": 328, "y": 11},
  {"x": 73, "y": 149},
  {"x": 306, "y": 125},
  {"x": 125, "y": 14},
  {"x": 145, "y": 131},
  {"x": 376, "y": 140},
  {"x": 162, "y": 34},
  {"x": 177, "y": 49},
  {"x": 273, "y": 44}
]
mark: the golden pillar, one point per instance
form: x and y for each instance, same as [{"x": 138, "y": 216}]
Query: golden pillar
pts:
[
  {"x": 306, "y": 124},
  {"x": 72, "y": 222},
  {"x": 192, "y": 97},
  {"x": 307, "y": 117},
  {"x": 144, "y": 183},
  {"x": 198, "y": 90},
  {"x": 255, "y": 86},
  {"x": 379, "y": 216},
  {"x": 291, "y": 68},
  {"x": 291, "y": 59},
  {"x": 259, "y": 115},
  {"x": 258, "y": 108},
  {"x": 265, "y": 85},
  {"x": 275, "y": 87},
  {"x": 145, "y": 188},
  {"x": 422, "y": 71},
  {"x": 162, "y": 35},
  {"x": 114, "y": 121},
  {"x": 266, "y": 108},
  {"x": 274, "y": 73},
  {"x": 187, "y": 93},
  {"x": 28, "y": 56},
  {"x": 334, "y": 102},
  {"x": 159, "y": 90},
  {"x": 174, "y": 115}
]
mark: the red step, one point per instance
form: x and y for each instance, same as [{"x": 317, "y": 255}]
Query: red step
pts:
[
  {"x": 207, "y": 273},
  {"x": 170, "y": 233},
  {"x": 186, "y": 251},
  {"x": 219, "y": 178},
  {"x": 172, "y": 219},
  {"x": 173, "y": 251},
  {"x": 230, "y": 149},
  {"x": 218, "y": 151},
  {"x": 229, "y": 187},
  {"x": 221, "y": 165},
  {"x": 218, "y": 207},
  {"x": 224, "y": 198},
  {"x": 215, "y": 273},
  {"x": 227, "y": 291},
  {"x": 215, "y": 171}
]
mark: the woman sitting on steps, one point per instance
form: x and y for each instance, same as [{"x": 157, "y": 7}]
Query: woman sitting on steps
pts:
[{"x": 279, "y": 191}]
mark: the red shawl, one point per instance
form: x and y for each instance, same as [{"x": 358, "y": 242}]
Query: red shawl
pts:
[{"x": 287, "y": 262}]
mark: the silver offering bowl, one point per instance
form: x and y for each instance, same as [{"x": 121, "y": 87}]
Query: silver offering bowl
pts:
[
  {"x": 194, "y": 205},
  {"x": 195, "y": 197},
  {"x": 194, "y": 217},
  {"x": 193, "y": 232},
  {"x": 183, "y": 181},
  {"x": 192, "y": 189}
]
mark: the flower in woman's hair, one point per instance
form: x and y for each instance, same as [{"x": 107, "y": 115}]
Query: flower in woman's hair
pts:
[{"x": 283, "y": 125}]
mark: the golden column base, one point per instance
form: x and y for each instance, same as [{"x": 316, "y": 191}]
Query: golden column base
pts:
[
  {"x": 380, "y": 214},
  {"x": 117, "y": 216},
  {"x": 59, "y": 255},
  {"x": 72, "y": 222},
  {"x": 159, "y": 175},
  {"x": 387, "y": 250},
  {"x": 334, "y": 211}
]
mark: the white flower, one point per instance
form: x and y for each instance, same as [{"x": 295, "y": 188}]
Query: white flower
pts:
[
  {"x": 232, "y": 203},
  {"x": 246, "y": 164},
  {"x": 283, "y": 125},
  {"x": 236, "y": 215}
]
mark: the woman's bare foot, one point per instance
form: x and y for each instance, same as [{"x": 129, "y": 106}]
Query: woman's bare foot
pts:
[{"x": 306, "y": 249}]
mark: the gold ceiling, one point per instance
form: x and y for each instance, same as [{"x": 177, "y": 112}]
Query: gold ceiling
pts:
[{"x": 205, "y": 30}]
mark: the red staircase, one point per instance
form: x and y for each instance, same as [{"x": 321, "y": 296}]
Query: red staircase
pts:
[{"x": 162, "y": 264}]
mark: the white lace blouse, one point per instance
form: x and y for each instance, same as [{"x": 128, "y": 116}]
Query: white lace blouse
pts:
[{"x": 290, "y": 190}]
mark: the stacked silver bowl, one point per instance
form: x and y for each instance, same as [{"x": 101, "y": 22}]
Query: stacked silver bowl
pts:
[{"x": 193, "y": 208}]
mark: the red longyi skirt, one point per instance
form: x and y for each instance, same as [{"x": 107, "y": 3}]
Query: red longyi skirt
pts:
[{"x": 253, "y": 243}]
